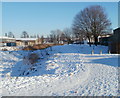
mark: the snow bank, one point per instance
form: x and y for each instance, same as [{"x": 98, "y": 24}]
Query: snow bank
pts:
[
  {"x": 69, "y": 70},
  {"x": 11, "y": 48}
]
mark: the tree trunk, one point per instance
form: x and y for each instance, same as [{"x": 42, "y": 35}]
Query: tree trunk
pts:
[
  {"x": 89, "y": 41},
  {"x": 96, "y": 40}
]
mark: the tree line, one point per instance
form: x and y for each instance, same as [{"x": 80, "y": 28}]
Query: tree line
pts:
[
  {"x": 58, "y": 36},
  {"x": 89, "y": 23},
  {"x": 23, "y": 35}
]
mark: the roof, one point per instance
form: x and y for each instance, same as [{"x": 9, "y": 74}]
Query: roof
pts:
[
  {"x": 23, "y": 39},
  {"x": 118, "y": 29},
  {"x": 2, "y": 37},
  {"x": 26, "y": 39}
]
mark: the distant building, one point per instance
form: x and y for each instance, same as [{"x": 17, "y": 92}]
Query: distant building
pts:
[
  {"x": 47, "y": 40},
  {"x": 104, "y": 39},
  {"x": 27, "y": 41},
  {"x": 114, "y": 45},
  {"x": 6, "y": 41}
]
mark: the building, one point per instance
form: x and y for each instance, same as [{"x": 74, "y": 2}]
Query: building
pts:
[
  {"x": 114, "y": 45},
  {"x": 6, "y": 41},
  {"x": 104, "y": 39},
  {"x": 27, "y": 41}
]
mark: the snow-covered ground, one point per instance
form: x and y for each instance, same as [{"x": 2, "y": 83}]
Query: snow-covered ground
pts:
[
  {"x": 12, "y": 48},
  {"x": 68, "y": 70}
]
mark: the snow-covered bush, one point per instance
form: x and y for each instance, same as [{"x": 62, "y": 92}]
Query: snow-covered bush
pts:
[{"x": 31, "y": 58}]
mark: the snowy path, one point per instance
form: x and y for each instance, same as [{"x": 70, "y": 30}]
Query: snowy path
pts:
[
  {"x": 102, "y": 80},
  {"x": 70, "y": 70}
]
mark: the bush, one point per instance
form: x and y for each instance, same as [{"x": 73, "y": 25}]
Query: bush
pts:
[
  {"x": 39, "y": 46},
  {"x": 4, "y": 49},
  {"x": 29, "y": 48},
  {"x": 31, "y": 58}
]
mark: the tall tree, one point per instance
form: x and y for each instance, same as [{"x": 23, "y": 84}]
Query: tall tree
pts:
[
  {"x": 38, "y": 36},
  {"x": 35, "y": 36},
  {"x": 58, "y": 35},
  {"x": 92, "y": 22},
  {"x": 6, "y": 35},
  {"x": 68, "y": 34},
  {"x": 10, "y": 34},
  {"x": 55, "y": 36},
  {"x": 24, "y": 35},
  {"x": 42, "y": 39}
]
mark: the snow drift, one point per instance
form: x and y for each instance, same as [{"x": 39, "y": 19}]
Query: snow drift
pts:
[{"x": 68, "y": 70}]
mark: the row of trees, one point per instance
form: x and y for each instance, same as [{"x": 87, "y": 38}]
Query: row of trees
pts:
[
  {"x": 89, "y": 23},
  {"x": 23, "y": 35},
  {"x": 10, "y": 34},
  {"x": 57, "y": 36}
]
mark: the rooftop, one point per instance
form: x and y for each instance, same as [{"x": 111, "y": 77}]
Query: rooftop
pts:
[
  {"x": 2, "y": 37},
  {"x": 26, "y": 39}
]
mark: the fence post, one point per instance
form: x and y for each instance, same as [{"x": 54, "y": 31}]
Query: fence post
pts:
[
  {"x": 92, "y": 52},
  {"x": 108, "y": 51},
  {"x": 100, "y": 51}
]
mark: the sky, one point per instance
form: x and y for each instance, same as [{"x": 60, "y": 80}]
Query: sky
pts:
[
  {"x": 119, "y": 14},
  {"x": 60, "y": 0},
  {"x": 0, "y": 18},
  {"x": 42, "y": 17}
]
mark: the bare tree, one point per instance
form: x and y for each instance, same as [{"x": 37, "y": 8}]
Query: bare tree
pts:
[
  {"x": 42, "y": 39},
  {"x": 58, "y": 35},
  {"x": 55, "y": 36},
  {"x": 6, "y": 34},
  {"x": 38, "y": 36},
  {"x": 24, "y": 35},
  {"x": 10, "y": 34},
  {"x": 68, "y": 34},
  {"x": 51, "y": 38},
  {"x": 35, "y": 36},
  {"x": 91, "y": 22},
  {"x": 80, "y": 35},
  {"x": 38, "y": 39}
]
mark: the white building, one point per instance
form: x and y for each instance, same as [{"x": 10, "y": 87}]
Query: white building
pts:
[
  {"x": 27, "y": 41},
  {"x": 6, "y": 41}
]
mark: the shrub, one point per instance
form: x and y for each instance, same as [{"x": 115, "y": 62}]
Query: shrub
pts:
[
  {"x": 39, "y": 46},
  {"x": 4, "y": 49},
  {"x": 29, "y": 48},
  {"x": 31, "y": 58}
]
